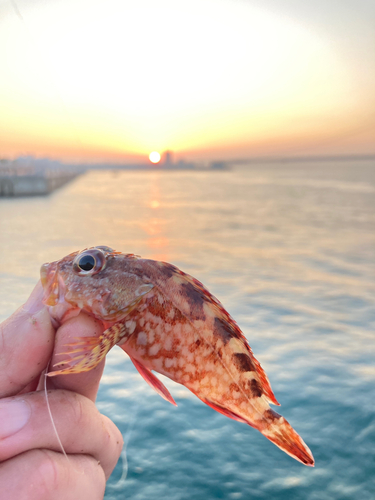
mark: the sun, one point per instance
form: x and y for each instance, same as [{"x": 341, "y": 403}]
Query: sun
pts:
[{"x": 154, "y": 157}]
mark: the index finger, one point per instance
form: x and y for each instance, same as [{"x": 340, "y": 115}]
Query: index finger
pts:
[
  {"x": 26, "y": 344},
  {"x": 85, "y": 383}
]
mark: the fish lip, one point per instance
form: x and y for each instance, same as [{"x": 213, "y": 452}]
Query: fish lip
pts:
[
  {"x": 51, "y": 283},
  {"x": 44, "y": 274},
  {"x": 47, "y": 277},
  {"x": 54, "y": 294}
]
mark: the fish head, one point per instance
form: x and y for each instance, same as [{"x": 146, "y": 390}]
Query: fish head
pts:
[{"x": 97, "y": 280}]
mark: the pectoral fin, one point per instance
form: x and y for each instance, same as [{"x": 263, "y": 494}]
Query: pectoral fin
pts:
[
  {"x": 88, "y": 352},
  {"x": 153, "y": 381}
]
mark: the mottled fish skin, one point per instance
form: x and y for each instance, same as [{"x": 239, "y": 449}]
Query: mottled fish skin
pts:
[{"x": 167, "y": 321}]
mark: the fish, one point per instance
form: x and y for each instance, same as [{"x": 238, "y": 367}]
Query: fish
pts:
[{"x": 167, "y": 322}]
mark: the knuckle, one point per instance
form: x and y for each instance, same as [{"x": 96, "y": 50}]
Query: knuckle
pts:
[{"x": 78, "y": 406}]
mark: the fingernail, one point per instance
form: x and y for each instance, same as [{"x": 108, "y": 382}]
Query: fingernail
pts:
[
  {"x": 14, "y": 415},
  {"x": 34, "y": 302}
]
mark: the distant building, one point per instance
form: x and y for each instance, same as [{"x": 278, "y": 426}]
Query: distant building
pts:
[{"x": 167, "y": 158}]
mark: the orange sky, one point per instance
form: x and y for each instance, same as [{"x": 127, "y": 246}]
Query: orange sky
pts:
[{"x": 111, "y": 81}]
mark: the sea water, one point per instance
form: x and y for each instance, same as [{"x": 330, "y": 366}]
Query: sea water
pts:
[{"x": 289, "y": 249}]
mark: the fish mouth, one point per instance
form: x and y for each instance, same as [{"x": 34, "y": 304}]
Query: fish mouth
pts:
[
  {"x": 53, "y": 284},
  {"x": 54, "y": 295},
  {"x": 50, "y": 281}
]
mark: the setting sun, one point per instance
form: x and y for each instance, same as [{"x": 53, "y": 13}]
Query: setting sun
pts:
[
  {"x": 154, "y": 157},
  {"x": 265, "y": 87}
]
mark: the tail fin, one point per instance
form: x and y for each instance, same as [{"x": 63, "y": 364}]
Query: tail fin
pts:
[{"x": 281, "y": 433}]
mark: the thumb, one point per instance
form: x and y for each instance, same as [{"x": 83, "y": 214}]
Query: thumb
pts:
[{"x": 26, "y": 343}]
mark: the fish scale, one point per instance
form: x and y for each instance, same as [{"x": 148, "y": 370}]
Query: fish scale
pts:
[{"x": 167, "y": 322}]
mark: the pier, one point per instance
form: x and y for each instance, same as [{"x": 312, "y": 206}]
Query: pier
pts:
[{"x": 20, "y": 179}]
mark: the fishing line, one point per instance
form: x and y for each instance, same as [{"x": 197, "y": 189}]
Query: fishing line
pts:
[
  {"x": 50, "y": 413},
  {"x": 121, "y": 482}
]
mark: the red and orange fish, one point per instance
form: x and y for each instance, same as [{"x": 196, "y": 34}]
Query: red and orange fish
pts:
[{"x": 167, "y": 322}]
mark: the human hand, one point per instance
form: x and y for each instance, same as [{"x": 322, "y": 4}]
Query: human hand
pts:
[{"x": 32, "y": 465}]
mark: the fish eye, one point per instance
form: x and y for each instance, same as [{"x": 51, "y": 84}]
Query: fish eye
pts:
[
  {"x": 86, "y": 263},
  {"x": 89, "y": 262}
]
